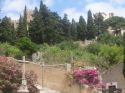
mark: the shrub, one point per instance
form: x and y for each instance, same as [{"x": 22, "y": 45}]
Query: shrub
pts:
[
  {"x": 11, "y": 76},
  {"x": 26, "y": 45},
  {"x": 69, "y": 45},
  {"x": 9, "y": 50},
  {"x": 112, "y": 54}
]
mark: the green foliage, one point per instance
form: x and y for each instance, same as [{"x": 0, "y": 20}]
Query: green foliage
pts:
[
  {"x": 69, "y": 45},
  {"x": 124, "y": 56},
  {"x": 26, "y": 45},
  {"x": 110, "y": 39},
  {"x": 82, "y": 29},
  {"x": 99, "y": 24},
  {"x": 46, "y": 26},
  {"x": 66, "y": 26},
  {"x": 73, "y": 29},
  {"x": 9, "y": 50},
  {"x": 7, "y": 32},
  {"x": 115, "y": 22},
  {"x": 110, "y": 54},
  {"x": 90, "y": 27},
  {"x": 22, "y": 27},
  {"x": 94, "y": 48}
]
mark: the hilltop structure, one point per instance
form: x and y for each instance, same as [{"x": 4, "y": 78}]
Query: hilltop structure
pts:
[{"x": 29, "y": 18}]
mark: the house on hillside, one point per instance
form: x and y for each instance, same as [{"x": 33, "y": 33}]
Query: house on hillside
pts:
[
  {"x": 119, "y": 31},
  {"x": 114, "y": 77}
]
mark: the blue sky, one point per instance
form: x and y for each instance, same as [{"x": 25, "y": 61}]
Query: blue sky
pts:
[{"x": 74, "y": 8}]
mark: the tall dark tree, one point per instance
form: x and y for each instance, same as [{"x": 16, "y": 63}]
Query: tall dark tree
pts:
[
  {"x": 36, "y": 27},
  {"x": 25, "y": 24},
  {"x": 99, "y": 23},
  {"x": 74, "y": 30},
  {"x": 66, "y": 26},
  {"x": 46, "y": 26},
  {"x": 6, "y": 30},
  {"x": 82, "y": 29},
  {"x": 22, "y": 29},
  {"x": 21, "y": 32},
  {"x": 90, "y": 26},
  {"x": 124, "y": 55}
]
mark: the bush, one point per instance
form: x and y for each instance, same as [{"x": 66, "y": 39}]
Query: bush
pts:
[
  {"x": 11, "y": 76},
  {"x": 9, "y": 50},
  {"x": 26, "y": 45},
  {"x": 93, "y": 48},
  {"x": 112, "y": 54},
  {"x": 89, "y": 77},
  {"x": 110, "y": 39},
  {"x": 108, "y": 54},
  {"x": 69, "y": 45}
]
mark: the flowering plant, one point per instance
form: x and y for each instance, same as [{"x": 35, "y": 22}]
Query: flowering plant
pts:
[
  {"x": 11, "y": 76},
  {"x": 89, "y": 77}
]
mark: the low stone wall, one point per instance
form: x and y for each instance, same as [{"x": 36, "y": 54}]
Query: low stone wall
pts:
[{"x": 55, "y": 77}]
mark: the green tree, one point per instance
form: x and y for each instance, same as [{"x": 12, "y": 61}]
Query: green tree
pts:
[
  {"x": 90, "y": 26},
  {"x": 66, "y": 26},
  {"x": 36, "y": 28},
  {"x": 6, "y": 30},
  {"x": 26, "y": 45},
  {"x": 23, "y": 26},
  {"x": 82, "y": 29},
  {"x": 116, "y": 23},
  {"x": 99, "y": 24},
  {"x": 46, "y": 26},
  {"x": 124, "y": 55},
  {"x": 74, "y": 30}
]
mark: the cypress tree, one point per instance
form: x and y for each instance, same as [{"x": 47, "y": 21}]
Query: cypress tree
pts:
[
  {"x": 66, "y": 27},
  {"x": 82, "y": 29},
  {"x": 90, "y": 26},
  {"x": 25, "y": 20},
  {"x": 74, "y": 30}
]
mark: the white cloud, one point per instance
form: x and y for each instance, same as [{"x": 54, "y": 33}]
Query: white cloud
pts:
[
  {"x": 90, "y": 1},
  {"x": 49, "y": 2},
  {"x": 105, "y": 7},
  {"x": 73, "y": 13},
  {"x": 13, "y": 8},
  {"x": 118, "y": 1}
]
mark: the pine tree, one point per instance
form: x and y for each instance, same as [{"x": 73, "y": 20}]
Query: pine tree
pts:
[
  {"x": 82, "y": 29},
  {"x": 66, "y": 27},
  {"x": 90, "y": 26},
  {"x": 74, "y": 30}
]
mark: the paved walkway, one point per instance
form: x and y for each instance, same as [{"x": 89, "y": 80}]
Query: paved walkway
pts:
[{"x": 47, "y": 90}]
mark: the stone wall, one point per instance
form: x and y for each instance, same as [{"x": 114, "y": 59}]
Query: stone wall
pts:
[
  {"x": 55, "y": 77},
  {"x": 114, "y": 74}
]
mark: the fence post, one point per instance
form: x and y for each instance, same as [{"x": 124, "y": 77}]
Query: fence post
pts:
[{"x": 68, "y": 67}]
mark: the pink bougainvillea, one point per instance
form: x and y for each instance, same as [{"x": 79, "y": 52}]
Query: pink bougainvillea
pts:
[{"x": 88, "y": 77}]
